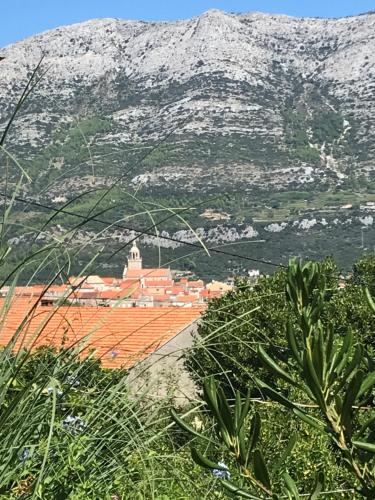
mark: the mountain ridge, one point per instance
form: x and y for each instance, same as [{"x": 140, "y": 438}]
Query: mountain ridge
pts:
[
  {"x": 269, "y": 106},
  {"x": 168, "y": 21}
]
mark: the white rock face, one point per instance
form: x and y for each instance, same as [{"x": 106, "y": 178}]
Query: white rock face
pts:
[
  {"x": 307, "y": 224},
  {"x": 367, "y": 221},
  {"x": 275, "y": 227},
  {"x": 251, "y": 62}
]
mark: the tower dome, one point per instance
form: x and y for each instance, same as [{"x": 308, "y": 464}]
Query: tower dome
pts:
[
  {"x": 134, "y": 259},
  {"x": 134, "y": 253}
]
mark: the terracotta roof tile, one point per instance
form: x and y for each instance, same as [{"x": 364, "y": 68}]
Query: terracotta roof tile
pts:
[
  {"x": 114, "y": 294},
  {"x": 160, "y": 298},
  {"x": 195, "y": 284},
  {"x": 156, "y": 282},
  {"x": 147, "y": 273},
  {"x": 85, "y": 294},
  {"x": 128, "y": 283},
  {"x": 186, "y": 298},
  {"x": 108, "y": 280},
  {"x": 119, "y": 336}
]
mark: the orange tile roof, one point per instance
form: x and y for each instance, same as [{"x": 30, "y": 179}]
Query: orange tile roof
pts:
[
  {"x": 157, "y": 290},
  {"x": 147, "y": 273},
  {"x": 155, "y": 282},
  {"x": 29, "y": 290},
  {"x": 108, "y": 280},
  {"x": 160, "y": 298},
  {"x": 76, "y": 280},
  {"x": 58, "y": 288},
  {"x": 186, "y": 298},
  {"x": 114, "y": 294},
  {"x": 119, "y": 336},
  {"x": 84, "y": 294},
  {"x": 195, "y": 284},
  {"x": 127, "y": 283}
]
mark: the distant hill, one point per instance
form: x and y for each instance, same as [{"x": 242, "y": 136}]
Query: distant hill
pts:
[{"x": 275, "y": 112}]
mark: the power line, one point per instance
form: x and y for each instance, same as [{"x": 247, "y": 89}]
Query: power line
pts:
[{"x": 146, "y": 232}]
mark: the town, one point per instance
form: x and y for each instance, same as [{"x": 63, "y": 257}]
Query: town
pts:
[{"x": 138, "y": 287}]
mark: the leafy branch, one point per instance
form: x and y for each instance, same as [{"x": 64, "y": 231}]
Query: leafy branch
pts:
[{"x": 333, "y": 373}]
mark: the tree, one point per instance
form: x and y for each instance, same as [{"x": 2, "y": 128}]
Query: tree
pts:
[
  {"x": 235, "y": 324},
  {"x": 335, "y": 382},
  {"x": 364, "y": 272}
]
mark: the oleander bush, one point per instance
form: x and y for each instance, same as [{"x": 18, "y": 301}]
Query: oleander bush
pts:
[
  {"x": 257, "y": 314},
  {"x": 325, "y": 380}
]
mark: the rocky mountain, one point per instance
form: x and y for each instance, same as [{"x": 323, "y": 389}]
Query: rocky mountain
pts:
[{"x": 274, "y": 112}]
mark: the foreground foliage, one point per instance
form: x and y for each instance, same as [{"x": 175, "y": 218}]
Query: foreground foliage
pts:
[
  {"x": 334, "y": 378},
  {"x": 70, "y": 429},
  {"x": 258, "y": 314}
]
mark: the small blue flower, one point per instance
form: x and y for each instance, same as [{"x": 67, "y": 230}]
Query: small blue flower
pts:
[
  {"x": 59, "y": 392},
  {"x": 74, "y": 425},
  {"x": 72, "y": 381},
  {"x": 25, "y": 455},
  {"x": 221, "y": 474}
]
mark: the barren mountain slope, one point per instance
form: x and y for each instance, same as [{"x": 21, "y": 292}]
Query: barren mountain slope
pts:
[{"x": 260, "y": 106}]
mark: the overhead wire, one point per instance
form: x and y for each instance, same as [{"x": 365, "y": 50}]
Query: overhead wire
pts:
[{"x": 31, "y": 202}]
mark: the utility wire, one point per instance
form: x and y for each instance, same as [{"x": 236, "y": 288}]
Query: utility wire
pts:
[{"x": 148, "y": 233}]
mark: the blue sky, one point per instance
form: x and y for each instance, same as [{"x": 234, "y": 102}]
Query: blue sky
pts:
[{"x": 22, "y": 18}]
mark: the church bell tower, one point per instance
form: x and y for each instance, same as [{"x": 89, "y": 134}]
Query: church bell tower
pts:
[{"x": 134, "y": 259}]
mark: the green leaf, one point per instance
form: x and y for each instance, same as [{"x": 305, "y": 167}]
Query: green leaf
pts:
[
  {"x": 242, "y": 446},
  {"x": 232, "y": 488},
  {"x": 274, "y": 395},
  {"x": 254, "y": 431},
  {"x": 343, "y": 355},
  {"x": 292, "y": 342},
  {"x": 275, "y": 368},
  {"x": 290, "y": 486},
  {"x": 370, "y": 299},
  {"x": 312, "y": 380},
  {"x": 366, "y": 425},
  {"x": 285, "y": 454},
  {"x": 365, "y": 446},
  {"x": 260, "y": 469},
  {"x": 329, "y": 346},
  {"x": 245, "y": 410},
  {"x": 186, "y": 427},
  {"x": 225, "y": 411},
  {"x": 216, "y": 401},
  {"x": 317, "y": 424},
  {"x": 318, "y": 357},
  {"x": 350, "y": 397},
  {"x": 350, "y": 370},
  {"x": 237, "y": 411},
  {"x": 205, "y": 462},
  {"x": 210, "y": 397},
  {"x": 318, "y": 486},
  {"x": 367, "y": 384}
]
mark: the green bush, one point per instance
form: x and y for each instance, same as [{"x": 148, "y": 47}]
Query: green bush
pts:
[
  {"x": 331, "y": 383},
  {"x": 235, "y": 324}
]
